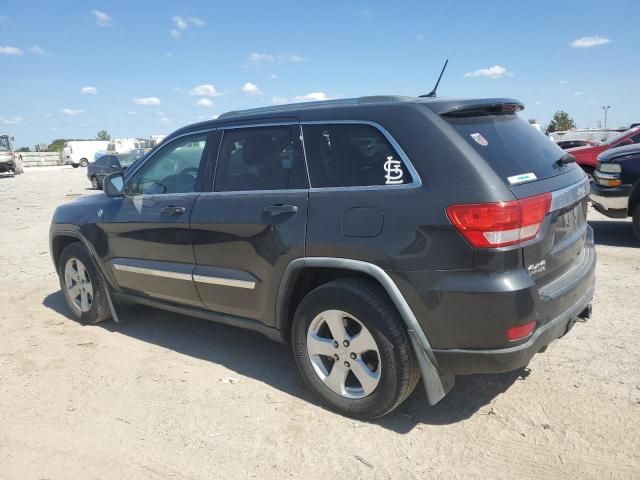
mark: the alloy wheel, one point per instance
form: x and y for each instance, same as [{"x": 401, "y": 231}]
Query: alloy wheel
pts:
[
  {"x": 344, "y": 354},
  {"x": 78, "y": 285}
]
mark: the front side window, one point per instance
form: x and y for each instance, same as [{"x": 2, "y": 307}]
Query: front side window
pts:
[
  {"x": 351, "y": 155},
  {"x": 174, "y": 169},
  {"x": 260, "y": 158},
  {"x": 4, "y": 144}
]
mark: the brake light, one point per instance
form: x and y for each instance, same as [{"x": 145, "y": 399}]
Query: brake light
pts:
[
  {"x": 520, "y": 331},
  {"x": 490, "y": 225}
]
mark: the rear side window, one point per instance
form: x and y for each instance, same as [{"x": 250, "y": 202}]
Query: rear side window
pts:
[
  {"x": 351, "y": 155},
  {"x": 510, "y": 146},
  {"x": 262, "y": 158}
]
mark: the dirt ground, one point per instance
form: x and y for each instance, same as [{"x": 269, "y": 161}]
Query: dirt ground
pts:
[{"x": 164, "y": 396}]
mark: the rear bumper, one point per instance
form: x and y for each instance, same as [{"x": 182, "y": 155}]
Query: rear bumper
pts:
[
  {"x": 463, "y": 362},
  {"x": 610, "y": 201},
  {"x": 7, "y": 166}
]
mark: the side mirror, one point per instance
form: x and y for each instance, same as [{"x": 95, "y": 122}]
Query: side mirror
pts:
[{"x": 113, "y": 185}]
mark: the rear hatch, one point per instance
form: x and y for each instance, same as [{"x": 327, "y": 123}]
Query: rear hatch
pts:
[{"x": 529, "y": 164}]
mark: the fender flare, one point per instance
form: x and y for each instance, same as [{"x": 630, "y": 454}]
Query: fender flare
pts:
[{"x": 436, "y": 384}]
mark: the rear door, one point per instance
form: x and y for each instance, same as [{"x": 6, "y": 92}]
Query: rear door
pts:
[
  {"x": 528, "y": 163},
  {"x": 147, "y": 232},
  {"x": 247, "y": 231}
]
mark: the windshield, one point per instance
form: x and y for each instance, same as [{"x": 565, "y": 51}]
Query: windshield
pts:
[
  {"x": 618, "y": 137},
  {"x": 4, "y": 144}
]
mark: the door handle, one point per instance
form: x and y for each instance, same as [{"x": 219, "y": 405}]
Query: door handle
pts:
[
  {"x": 173, "y": 210},
  {"x": 280, "y": 209}
]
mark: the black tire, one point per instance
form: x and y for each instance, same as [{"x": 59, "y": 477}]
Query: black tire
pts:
[
  {"x": 369, "y": 303},
  {"x": 74, "y": 165},
  {"x": 95, "y": 183},
  {"x": 589, "y": 171},
  {"x": 635, "y": 218},
  {"x": 84, "y": 162},
  {"x": 99, "y": 310}
]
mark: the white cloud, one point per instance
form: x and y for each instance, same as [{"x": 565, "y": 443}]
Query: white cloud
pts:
[
  {"x": 198, "y": 22},
  {"x": 251, "y": 89},
  {"x": 256, "y": 58},
  {"x": 564, "y": 82},
  {"x": 164, "y": 120},
  {"x": 279, "y": 100},
  {"x": 168, "y": 55},
  {"x": 147, "y": 101},
  {"x": 72, "y": 111},
  {"x": 10, "y": 51},
  {"x": 273, "y": 76},
  {"x": 538, "y": 102},
  {"x": 88, "y": 90},
  {"x": 181, "y": 24},
  {"x": 312, "y": 97},
  {"x": 206, "y": 90},
  {"x": 38, "y": 51},
  {"x": 131, "y": 112},
  {"x": 496, "y": 71},
  {"x": 588, "y": 42},
  {"x": 12, "y": 120},
  {"x": 102, "y": 19},
  {"x": 204, "y": 103},
  {"x": 578, "y": 94}
]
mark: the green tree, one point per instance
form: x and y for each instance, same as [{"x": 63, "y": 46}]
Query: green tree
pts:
[
  {"x": 23, "y": 149},
  {"x": 103, "y": 135},
  {"x": 57, "y": 145},
  {"x": 560, "y": 121}
]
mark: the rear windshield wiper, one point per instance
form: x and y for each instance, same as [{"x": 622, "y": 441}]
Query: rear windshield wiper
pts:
[{"x": 566, "y": 159}]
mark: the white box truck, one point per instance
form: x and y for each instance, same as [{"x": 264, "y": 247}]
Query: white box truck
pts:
[{"x": 79, "y": 153}]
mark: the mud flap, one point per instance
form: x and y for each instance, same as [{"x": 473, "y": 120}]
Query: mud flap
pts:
[{"x": 436, "y": 384}]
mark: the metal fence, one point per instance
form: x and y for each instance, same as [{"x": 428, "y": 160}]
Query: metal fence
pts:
[{"x": 40, "y": 159}]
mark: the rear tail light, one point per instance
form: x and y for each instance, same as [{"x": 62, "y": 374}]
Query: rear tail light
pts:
[
  {"x": 520, "y": 331},
  {"x": 490, "y": 225}
]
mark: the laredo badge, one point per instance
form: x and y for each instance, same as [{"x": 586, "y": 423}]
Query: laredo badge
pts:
[
  {"x": 479, "y": 139},
  {"x": 394, "y": 171}
]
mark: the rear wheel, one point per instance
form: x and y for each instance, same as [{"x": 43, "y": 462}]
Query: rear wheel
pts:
[
  {"x": 84, "y": 162},
  {"x": 636, "y": 220},
  {"x": 352, "y": 350},
  {"x": 19, "y": 169},
  {"x": 75, "y": 165},
  {"x": 82, "y": 285}
]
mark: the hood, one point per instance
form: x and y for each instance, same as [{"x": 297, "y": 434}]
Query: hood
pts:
[{"x": 619, "y": 152}]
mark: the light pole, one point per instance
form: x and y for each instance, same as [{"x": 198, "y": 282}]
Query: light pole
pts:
[{"x": 606, "y": 109}]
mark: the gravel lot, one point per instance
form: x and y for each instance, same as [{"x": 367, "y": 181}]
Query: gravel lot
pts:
[{"x": 165, "y": 396}]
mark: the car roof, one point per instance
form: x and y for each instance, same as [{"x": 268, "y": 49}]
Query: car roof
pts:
[{"x": 311, "y": 110}]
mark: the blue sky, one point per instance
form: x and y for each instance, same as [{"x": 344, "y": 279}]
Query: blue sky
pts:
[{"x": 140, "y": 62}]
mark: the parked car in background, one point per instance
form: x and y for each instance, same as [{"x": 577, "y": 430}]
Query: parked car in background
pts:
[
  {"x": 79, "y": 153},
  {"x": 616, "y": 190},
  {"x": 587, "y": 157},
  {"x": 10, "y": 161},
  {"x": 565, "y": 144},
  {"x": 107, "y": 164},
  {"x": 592, "y": 135},
  {"x": 292, "y": 221}
]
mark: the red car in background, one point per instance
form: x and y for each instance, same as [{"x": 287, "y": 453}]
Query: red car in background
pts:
[{"x": 587, "y": 156}]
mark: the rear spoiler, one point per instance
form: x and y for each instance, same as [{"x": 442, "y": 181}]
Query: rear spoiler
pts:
[{"x": 476, "y": 107}]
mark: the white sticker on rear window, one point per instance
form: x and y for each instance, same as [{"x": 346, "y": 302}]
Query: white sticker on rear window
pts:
[
  {"x": 394, "y": 172},
  {"x": 479, "y": 139},
  {"x": 523, "y": 177}
]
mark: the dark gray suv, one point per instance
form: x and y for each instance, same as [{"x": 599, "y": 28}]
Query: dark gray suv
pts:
[{"x": 387, "y": 239}]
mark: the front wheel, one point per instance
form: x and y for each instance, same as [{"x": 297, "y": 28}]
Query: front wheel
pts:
[
  {"x": 82, "y": 285},
  {"x": 352, "y": 349}
]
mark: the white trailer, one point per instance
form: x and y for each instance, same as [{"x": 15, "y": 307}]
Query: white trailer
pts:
[{"x": 82, "y": 152}]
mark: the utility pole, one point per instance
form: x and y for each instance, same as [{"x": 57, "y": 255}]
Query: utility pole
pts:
[{"x": 606, "y": 109}]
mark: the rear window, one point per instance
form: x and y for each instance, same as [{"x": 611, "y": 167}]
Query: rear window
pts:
[{"x": 511, "y": 146}]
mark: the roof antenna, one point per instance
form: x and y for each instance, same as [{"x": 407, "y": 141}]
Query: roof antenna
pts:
[{"x": 432, "y": 94}]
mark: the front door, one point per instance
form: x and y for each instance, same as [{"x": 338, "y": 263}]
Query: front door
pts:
[
  {"x": 147, "y": 232},
  {"x": 247, "y": 231}
]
